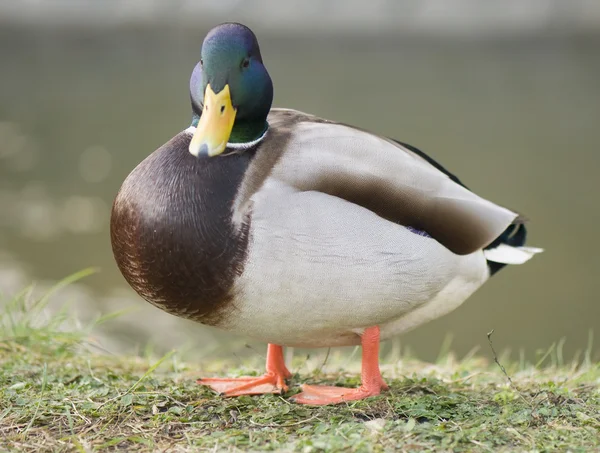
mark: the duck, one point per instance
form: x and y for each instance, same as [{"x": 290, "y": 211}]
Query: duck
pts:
[{"x": 299, "y": 231}]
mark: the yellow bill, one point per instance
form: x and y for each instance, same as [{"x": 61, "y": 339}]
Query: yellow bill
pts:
[{"x": 216, "y": 122}]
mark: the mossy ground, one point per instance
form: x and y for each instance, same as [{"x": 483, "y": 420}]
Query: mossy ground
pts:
[{"x": 58, "y": 394}]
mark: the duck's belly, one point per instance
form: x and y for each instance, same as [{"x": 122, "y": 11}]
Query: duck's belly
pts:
[{"x": 319, "y": 270}]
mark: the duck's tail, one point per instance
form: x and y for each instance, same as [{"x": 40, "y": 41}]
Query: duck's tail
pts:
[{"x": 509, "y": 248}]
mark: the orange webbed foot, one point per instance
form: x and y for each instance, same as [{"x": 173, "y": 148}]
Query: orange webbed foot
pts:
[
  {"x": 372, "y": 382},
  {"x": 318, "y": 395},
  {"x": 268, "y": 383},
  {"x": 273, "y": 381}
]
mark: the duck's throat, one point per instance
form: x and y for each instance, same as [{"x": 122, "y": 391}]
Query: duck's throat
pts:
[{"x": 246, "y": 131}]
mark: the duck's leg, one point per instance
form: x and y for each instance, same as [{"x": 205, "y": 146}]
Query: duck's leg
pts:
[
  {"x": 273, "y": 381},
  {"x": 372, "y": 382}
]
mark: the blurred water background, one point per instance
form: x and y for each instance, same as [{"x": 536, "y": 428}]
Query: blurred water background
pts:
[{"x": 504, "y": 94}]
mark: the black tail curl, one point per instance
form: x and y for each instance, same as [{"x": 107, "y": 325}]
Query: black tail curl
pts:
[{"x": 515, "y": 236}]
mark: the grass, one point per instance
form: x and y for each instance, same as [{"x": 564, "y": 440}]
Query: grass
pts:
[{"x": 59, "y": 393}]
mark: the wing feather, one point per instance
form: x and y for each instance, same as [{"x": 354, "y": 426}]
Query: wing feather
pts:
[{"x": 385, "y": 177}]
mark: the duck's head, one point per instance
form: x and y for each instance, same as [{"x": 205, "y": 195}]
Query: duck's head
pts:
[{"x": 231, "y": 91}]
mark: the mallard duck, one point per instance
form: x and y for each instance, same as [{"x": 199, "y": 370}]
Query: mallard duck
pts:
[{"x": 299, "y": 231}]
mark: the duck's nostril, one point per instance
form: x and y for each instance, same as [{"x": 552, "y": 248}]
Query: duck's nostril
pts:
[{"x": 222, "y": 108}]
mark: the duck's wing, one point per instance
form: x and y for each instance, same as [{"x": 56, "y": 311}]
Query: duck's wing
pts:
[{"x": 386, "y": 177}]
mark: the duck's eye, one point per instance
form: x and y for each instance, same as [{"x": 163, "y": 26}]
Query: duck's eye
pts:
[{"x": 245, "y": 62}]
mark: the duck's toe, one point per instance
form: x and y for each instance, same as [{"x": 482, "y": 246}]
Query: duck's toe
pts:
[
  {"x": 268, "y": 383},
  {"x": 322, "y": 394}
]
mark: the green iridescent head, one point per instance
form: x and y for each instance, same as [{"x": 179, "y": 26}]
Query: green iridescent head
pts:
[{"x": 231, "y": 90}]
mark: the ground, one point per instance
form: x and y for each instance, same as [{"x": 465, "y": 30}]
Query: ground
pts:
[{"x": 57, "y": 393}]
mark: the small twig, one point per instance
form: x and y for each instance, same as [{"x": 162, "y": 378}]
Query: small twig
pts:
[
  {"x": 489, "y": 337},
  {"x": 510, "y": 381}
]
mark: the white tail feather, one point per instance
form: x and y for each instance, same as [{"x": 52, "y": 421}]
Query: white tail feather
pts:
[{"x": 511, "y": 255}]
